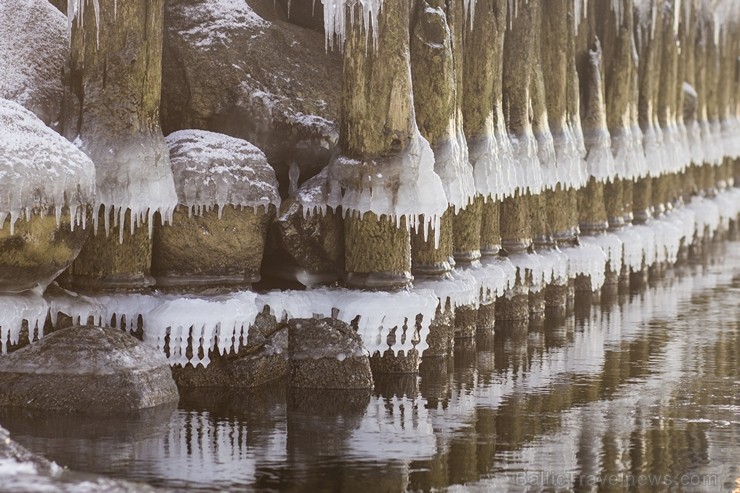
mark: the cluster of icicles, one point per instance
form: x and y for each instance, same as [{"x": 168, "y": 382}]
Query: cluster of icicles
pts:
[
  {"x": 503, "y": 164},
  {"x": 222, "y": 322},
  {"x": 539, "y": 165}
]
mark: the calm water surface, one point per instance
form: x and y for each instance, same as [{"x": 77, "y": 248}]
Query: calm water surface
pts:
[{"x": 641, "y": 393}]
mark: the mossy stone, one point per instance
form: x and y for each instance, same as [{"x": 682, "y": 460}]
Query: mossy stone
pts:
[
  {"x": 207, "y": 251},
  {"x": 108, "y": 264},
  {"x": 38, "y": 250}
]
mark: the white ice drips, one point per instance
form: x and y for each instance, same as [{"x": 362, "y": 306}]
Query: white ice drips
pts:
[
  {"x": 491, "y": 156},
  {"x": 336, "y": 20},
  {"x": 451, "y": 163},
  {"x": 14, "y": 309},
  {"x": 547, "y": 157},
  {"x": 212, "y": 169},
  {"x": 40, "y": 170},
  {"x": 528, "y": 172},
  {"x": 403, "y": 186},
  {"x": 599, "y": 159},
  {"x": 571, "y": 166},
  {"x": 192, "y": 319}
]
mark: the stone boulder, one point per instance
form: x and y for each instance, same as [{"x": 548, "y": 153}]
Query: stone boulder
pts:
[
  {"x": 34, "y": 42},
  {"x": 227, "y": 195},
  {"x": 46, "y": 186},
  {"x": 86, "y": 369},
  {"x": 327, "y": 353},
  {"x": 238, "y": 68}
]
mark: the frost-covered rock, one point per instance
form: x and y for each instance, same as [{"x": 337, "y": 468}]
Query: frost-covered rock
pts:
[
  {"x": 48, "y": 181},
  {"x": 327, "y": 353},
  {"x": 227, "y": 194},
  {"x": 86, "y": 370},
  {"x": 230, "y": 69},
  {"x": 34, "y": 45}
]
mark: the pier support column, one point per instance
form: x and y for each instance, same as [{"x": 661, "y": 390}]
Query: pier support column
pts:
[{"x": 111, "y": 107}]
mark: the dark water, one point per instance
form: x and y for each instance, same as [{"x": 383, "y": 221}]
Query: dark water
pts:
[{"x": 642, "y": 394}]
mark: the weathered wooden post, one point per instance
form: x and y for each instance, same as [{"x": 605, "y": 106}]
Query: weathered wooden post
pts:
[
  {"x": 111, "y": 110},
  {"x": 384, "y": 177},
  {"x": 436, "y": 69}
]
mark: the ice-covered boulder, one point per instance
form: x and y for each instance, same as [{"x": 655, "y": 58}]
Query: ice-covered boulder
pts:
[
  {"x": 227, "y": 194},
  {"x": 235, "y": 67},
  {"x": 86, "y": 369},
  {"x": 34, "y": 45},
  {"x": 46, "y": 185},
  {"x": 327, "y": 353}
]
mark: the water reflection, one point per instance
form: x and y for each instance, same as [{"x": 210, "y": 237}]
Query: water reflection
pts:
[{"x": 636, "y": 392}]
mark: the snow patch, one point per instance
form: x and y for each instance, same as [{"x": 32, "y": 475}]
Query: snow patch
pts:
[{"x": 40, "y": 170}]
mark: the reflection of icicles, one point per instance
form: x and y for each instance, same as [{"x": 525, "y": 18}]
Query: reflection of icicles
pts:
[
  {"x": 528, "y": 177},
  {"x": 452, "y": 165}
]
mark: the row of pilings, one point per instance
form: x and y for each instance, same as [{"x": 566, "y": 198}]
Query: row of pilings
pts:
[
  {"x": 467, "y": 129},
  {"x": 574, "y": 122}
]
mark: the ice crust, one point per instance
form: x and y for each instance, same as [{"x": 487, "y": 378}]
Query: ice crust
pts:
[
  {"x": 404, "y": 186},
  {"x": 212, "y": 169},
  {"x": 222, "y": 321},
  {"x": 40, "y": 170}
]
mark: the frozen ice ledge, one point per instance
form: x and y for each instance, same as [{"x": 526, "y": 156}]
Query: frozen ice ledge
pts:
[{"x": 220, "y": 321}]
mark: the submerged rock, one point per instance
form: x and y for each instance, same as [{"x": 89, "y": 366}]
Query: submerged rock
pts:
[
  {"x": 34, "y": 43},
  {"x": 89, "y": 370},
  {"x": 327, "y": 353},
  {"x": 232, "y": 190},
  {"x": 49, "y": 181},
  {"x": 246, "y": 73}
]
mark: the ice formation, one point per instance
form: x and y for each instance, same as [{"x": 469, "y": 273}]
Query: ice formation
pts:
[
  {"x": 528, "y": 172},
  {"x": 451, "y": 164},
  {"x": 404, "y": 186},
  {"x": 40, "y": 170},
  {"x": 491, "y": 157},
  {"x": 14, "y": 309},
  {"x": 226, "y": 318},
  {"x": 335, "y": 20},
  {"x": 212, "y": 169},
  {"x": 571, "y": 169}
]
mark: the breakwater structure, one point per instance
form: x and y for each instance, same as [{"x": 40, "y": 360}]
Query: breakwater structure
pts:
[{"x": 348, "y": 187}]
